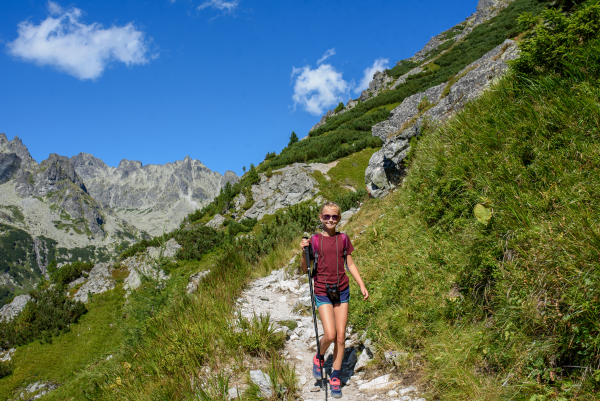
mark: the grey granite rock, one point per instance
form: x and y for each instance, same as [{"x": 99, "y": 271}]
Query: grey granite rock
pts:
[
  {"x": 385, "y": 166},
  {"x": 263, "y": 381},
  {"x": 148, "y": 264},
  {"x": 9, "y": 311},
  {"x": 216, "y": 221},
  {"x": 286, "y": 187},
  {"x": 16, "y": 146},
  {"x": 98, "y": 281},
  {"x": 380, "y": 81}
]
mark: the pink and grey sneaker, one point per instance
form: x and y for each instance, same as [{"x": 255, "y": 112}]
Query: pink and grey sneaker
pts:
[
  {"x": 336, "y": 387},
  {"x": 317, "y": 367}
]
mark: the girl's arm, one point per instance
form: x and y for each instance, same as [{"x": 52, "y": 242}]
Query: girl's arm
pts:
[{"x": 354, "y": 270}]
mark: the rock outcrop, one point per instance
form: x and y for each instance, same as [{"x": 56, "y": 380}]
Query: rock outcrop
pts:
[
  {"x": 8, "y": 311},
  {"x": 99, "y": 280},
  {"x": 286, "y": 187},
  {"x": 380, "y": 81},
  {"x": 148, "y": 264},
  {"x": 385, "y": 166},
  {"x": 151, "y": 197}
]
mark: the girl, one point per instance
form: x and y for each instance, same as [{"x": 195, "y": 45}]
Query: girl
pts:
[{"x": 330, "y": 272}]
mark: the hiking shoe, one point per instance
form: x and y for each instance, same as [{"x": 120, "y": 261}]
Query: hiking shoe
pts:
[
  {"x": 336, "y": 387},
  {"x": 317, "y": 368}
]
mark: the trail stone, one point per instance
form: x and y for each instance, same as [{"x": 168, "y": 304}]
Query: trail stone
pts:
[
  {"x": 407, "y": 390},
  {"x": 263, "y": 381},
  {"x": 380, "y": 383}
]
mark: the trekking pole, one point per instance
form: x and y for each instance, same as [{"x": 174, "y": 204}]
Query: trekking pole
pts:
[{"x": 312, "y": 301}]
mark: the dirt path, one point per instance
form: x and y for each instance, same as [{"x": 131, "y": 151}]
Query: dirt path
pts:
[{"x": 277, "y": 295}]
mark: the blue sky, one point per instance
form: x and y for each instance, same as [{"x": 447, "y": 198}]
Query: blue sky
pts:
[{"x": 223, "y": 81}]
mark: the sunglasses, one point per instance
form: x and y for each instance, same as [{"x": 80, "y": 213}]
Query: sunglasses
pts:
[{"x": 333, "y": 217}]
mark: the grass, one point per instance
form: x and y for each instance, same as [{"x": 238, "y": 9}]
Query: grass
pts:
[
  {"x": 496, "y": 311},
  {"x": 69, "y": 357},
  {"x": 350, "y": 170},
  {"x": 197, "y": 337}
]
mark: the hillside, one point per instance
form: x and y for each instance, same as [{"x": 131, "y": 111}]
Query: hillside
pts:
[{"x": 479, "y": 244}]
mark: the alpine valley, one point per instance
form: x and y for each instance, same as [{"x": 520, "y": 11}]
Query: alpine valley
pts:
[{"x": 469, "y": 181}]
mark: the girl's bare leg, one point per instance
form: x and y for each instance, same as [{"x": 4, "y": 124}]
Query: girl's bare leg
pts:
[
  {"x": 341, "y": 318},
  {"x": 334, "y": 319},
  {"x": 328, "y": 321}
]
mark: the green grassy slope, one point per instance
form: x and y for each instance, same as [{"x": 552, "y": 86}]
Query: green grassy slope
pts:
[{"x": 506, "y": 309}]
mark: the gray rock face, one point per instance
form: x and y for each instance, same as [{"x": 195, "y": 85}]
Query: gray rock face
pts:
[
  {"x": 152, "y": 197},
  {"x": 16, "y": 146},
  {"x": 385, "y": 166},
  {"x": 54, "y": 174},
  {"x": 99, "y": 280},
  {"x": 9, "y": 165},
  {"x": 380, "y": 81},
  {"x": 148, "y": 264},
  {"x": 57, "y": 180},
  {"x": 216, "y": 221},
  {"x": 10, "y": 310},
  {"x": 286, "y": 187}
]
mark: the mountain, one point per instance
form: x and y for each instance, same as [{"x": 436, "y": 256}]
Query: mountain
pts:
[{"x": 151, "y": 197}]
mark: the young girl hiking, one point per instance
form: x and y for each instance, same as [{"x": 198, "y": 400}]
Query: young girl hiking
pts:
[{"x": 332, "y": 289}]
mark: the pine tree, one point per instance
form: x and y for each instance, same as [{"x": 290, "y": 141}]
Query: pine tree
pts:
[{"x": 293, "y": 139}]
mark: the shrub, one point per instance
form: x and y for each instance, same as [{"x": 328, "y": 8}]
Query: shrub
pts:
[
  {"x": 197, "y": 241},
  {"x": 69, "y": 272},
  {"x": 48, "y": 313},
  {"x": 339, "y": 107},
  {"x": 6, "y": 368}
]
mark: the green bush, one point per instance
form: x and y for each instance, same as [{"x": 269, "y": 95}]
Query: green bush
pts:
[
  {"x": 293, "y": 140},
  {"x": 48, "y": 313},
  {"x": 6, "y": 369},
  {"x": 69, "y": 272},
  {"x": 404, "y": 67},
  {"x": 245, "y": 226},
  {"x": 548, "y": 47},
  {"x": 339, "y": 107},
  {"x": 349, "y": 200},
  {"x": 197, "y": 241}
]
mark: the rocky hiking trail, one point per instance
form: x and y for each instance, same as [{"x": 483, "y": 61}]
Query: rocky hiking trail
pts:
[{"x": 286, "y": 299}]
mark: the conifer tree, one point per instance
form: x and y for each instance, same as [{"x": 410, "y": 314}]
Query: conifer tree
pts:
[{"x": 293, "y": 139}]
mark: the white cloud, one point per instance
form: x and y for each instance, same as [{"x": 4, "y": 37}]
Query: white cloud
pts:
[
  {"x": 318, "y": 89},
  {"x": 81, "y": 50},
  {"x": 327, "y": 54},
  {"x": 379, "y": 65},
  {"x": 228, "y": 7},
  {"x": 54, "y": 8}
]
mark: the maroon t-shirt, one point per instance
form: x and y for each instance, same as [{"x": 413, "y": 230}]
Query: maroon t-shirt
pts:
[{"x": 327, "y": 262}]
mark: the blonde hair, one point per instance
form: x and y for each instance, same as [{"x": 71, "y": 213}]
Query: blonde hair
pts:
[{"x": 331, "y": 204}]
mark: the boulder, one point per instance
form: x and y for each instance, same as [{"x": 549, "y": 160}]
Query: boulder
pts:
[
  {"x": 10, "y": 310},
  {"x": 216, "y": 221},
  {"x": 98, "y": 281},
  {"x": 263, "y": 381},
  {"x": 286, "y": 187}
]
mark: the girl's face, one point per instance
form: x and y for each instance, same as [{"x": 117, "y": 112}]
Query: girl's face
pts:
[{"x": 333, "y": 217}]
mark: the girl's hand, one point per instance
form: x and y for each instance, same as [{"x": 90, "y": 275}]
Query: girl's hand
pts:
[
  {"x": 304, "y": 243},
  {"x": 365, "y": 293}
]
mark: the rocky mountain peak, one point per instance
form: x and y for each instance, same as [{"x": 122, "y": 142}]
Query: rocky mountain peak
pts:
[
  {"x": 16, "y": 146},
  {"x": 87, "y": 165},
  {"x": 55, "y": 173}
]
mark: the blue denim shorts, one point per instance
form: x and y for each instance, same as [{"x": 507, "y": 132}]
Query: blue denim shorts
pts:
[{"x": 324, "y": 299}]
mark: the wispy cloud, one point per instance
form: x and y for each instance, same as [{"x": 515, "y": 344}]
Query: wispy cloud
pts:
[
  {"x": 318, "y": 89},
  {"x": 327, "y": 54},
  {"x": 83, "y": 51},
  {"x": 228, "y": 7},
  {"x": 379, "y": 65}
]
